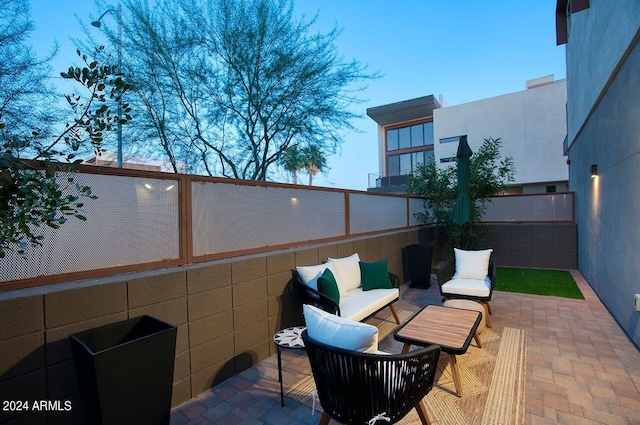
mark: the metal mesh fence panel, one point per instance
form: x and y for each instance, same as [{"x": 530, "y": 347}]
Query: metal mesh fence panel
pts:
[
  {"x": 134, "y": 220},
  {"x": 231, "y": 217},
  {"x": 369, "y": 213},
  {"x": 415, "y": 206}
]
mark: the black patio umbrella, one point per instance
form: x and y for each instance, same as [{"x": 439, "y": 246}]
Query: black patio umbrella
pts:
[{"x": 461, "y": 212}]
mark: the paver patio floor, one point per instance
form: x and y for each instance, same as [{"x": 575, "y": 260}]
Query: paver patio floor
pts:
[{"x": 581, "y": 367}]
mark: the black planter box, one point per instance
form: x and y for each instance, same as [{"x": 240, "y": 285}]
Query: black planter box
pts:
[
  {"x": 125, "y": 371},
  {"x": 416, "y": 262}
]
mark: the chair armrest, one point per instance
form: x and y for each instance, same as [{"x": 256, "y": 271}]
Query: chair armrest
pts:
[
  {"x": 395, "y": 280},
  {"x": 315, "y": 298},
  {"x": 492, "y": 275},
  {"x": 446, "y": 271}
]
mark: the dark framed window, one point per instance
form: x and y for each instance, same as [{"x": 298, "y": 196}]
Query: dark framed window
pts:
[
  {"x": 392, "y": 140},
  {"x": 412, "y": 136},
  {"x": 402, "y": 164},
  {"x": 405, "y": 137}
]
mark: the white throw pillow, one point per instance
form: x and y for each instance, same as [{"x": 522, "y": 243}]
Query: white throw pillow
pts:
[
  {"x": 472, "y": 264},
  {"x": 347, "y": 274},
  {"x": 340, "y": 332},
  {"x": 310, "y": 274}
]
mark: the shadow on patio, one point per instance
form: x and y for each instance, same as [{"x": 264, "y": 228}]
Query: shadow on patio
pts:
[{"x": 580, "y": 368}]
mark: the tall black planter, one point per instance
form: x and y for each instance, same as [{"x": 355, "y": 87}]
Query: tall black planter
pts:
[
  {"x": 416, "y": 262},
  {"x": 125, "y": 371}
]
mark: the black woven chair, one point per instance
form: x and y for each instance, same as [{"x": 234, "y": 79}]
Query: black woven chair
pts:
[
  {"x": 356, "y": 388},
  {"x": 323, "y": 302},
  {"x": 445, "y": 274}
]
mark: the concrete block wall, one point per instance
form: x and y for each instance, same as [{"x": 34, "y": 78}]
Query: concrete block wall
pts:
[
  {"x": 553, "y": 246},
  {"x": 226, "y": 313}
]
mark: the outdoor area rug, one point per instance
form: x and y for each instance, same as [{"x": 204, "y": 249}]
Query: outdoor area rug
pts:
[{"x": 493, "y": 381}]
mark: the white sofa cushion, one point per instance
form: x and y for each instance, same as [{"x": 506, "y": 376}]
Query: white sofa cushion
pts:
[
  {"x": 472, "y": 264},
  {"x": 340, "y": 332},
  {"x": 361, "y": 304},
  {"x": 310, "y": 274},
  {"x": 470, "y": 287},
  {"x": 347, "y": 273}
]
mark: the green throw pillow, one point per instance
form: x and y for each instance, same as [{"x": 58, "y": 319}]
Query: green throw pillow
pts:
[
  {"x": 328, "y": 286},
  {"x": 375, "y": 276}
]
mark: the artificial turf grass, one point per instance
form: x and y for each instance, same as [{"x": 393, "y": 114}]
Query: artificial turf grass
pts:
[{"x": 557, "y": 283}]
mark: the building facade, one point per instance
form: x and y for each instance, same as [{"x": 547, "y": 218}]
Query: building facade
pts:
[
  {"x": 603, "y": 146},
  {"x": 531, "y": 124}
]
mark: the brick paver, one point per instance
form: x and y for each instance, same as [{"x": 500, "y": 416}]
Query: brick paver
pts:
[{"x": 581, "y": 368}]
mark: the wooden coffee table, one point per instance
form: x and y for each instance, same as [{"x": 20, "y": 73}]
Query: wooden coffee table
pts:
[{"x": 450, "y": 328}]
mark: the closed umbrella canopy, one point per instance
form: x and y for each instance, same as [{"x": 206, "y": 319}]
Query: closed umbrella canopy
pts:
[{"x": 461, "y": 212}]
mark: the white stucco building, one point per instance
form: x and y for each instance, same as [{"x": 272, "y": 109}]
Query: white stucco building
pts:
[{"x": 531, "y": 123}]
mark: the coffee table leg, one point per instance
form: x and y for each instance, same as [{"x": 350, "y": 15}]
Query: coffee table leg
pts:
[
  {"x": 406, "y": 347},
  {"x": 280, "y": 376},
  {"x": 477, "y": 338},
  {"x": 455, "y": 373}
]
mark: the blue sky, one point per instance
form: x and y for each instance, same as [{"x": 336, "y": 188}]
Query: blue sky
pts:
[{"x": 465, "y": 50}]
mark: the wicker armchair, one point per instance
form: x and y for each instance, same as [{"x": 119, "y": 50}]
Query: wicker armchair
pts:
[
  {"x": 445, "y": 274},
  {"x": 323, "y": 302},
  {"x": 358, "y": 388}
]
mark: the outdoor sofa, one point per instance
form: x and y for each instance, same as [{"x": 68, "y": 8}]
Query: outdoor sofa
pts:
[{"x": 363, "y": 288}]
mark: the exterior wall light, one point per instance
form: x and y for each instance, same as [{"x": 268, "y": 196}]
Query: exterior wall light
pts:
[{"x": 594, "y": 170}]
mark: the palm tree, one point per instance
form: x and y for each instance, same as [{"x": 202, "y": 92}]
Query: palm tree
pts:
[
  {"x": 314, "y": 160},
  {"x": 292, "y": 160}
]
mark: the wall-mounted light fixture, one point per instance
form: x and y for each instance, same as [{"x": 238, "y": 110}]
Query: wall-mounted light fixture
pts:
[{"x": 594, "y": 170}]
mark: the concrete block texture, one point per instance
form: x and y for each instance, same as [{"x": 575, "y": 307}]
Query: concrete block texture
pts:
[
  {"x": 182, "y": 366},
  {"x": 345, "y": 249},
  {"x": 181, "y": 392},
  {"x": 172, "y": 311},
  {"x": 244, "y": 270},
  {"x": 281, "y": 303},
  {"x": 22, "y": 354},
  {"x": 21, "y": 316},
  {"x": 249, "y": 291},
  {"x": 210, "y": 302},
  {"x": 155, "y": 289},
  {"x": 76, "y": 305},
  {"x": 307, "y": 257},
  {"x": 327, "y": 251},
  {"x": 280, "y": 263},
  {"x": 249, "y": 314},
  {"x": 251, "y": 335},
  {"x": 208, "y": 277},
  {"x": 210, "y": 327},
  {"x": 212, "y": 352},
  {"x": 278, "y": 284},
  {"x": 204, "y": 379}
]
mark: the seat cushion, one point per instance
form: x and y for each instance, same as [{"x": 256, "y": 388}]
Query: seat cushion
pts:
[
  {"x": 310, "y": 274},
  {"x": 347, "y": 272},
  {"x": 468, "y": 287},
  {"x": 361, "y": 304},
  {"x": 472, "y": 264},
  {"x": 469, "y": 305},
  {"x": 340, "y": 332}
]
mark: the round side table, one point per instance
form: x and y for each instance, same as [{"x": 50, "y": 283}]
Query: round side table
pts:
[{"x": 287, "y": 338}]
